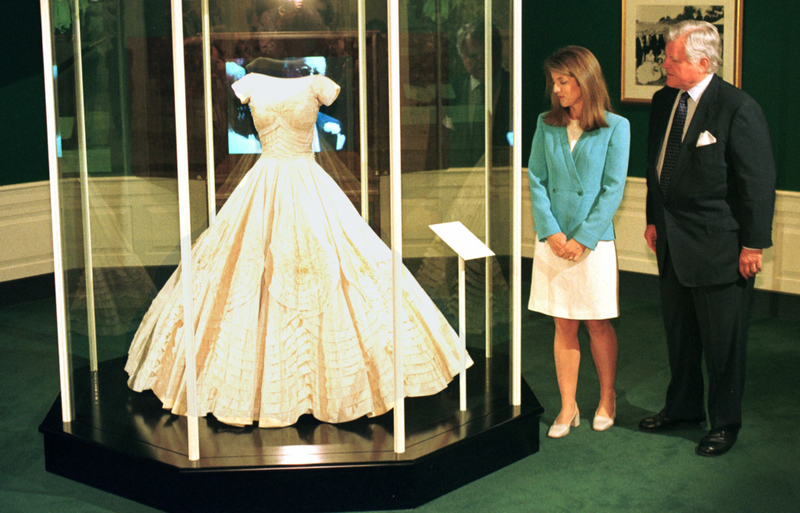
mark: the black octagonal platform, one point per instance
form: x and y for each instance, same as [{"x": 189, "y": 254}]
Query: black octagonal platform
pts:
[{"x": 124, "y": 443}]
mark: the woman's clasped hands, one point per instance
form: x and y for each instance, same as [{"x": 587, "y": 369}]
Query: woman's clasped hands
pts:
[{"x": 566, "y": 249}]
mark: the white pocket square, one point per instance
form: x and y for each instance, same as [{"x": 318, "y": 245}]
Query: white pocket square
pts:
[{"x": 705, "y": 139}]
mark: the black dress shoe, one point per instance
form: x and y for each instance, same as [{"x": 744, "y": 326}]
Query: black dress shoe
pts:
[
  {"x": 660, "y": 422},
  {"x": 717, "y": 442}
]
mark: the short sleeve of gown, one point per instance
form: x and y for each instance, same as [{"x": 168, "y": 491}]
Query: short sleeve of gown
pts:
[
  {"x": 242, "y": 88},
  {"x": 327, "y": 90}
]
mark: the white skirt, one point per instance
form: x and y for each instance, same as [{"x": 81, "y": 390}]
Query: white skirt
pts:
[{"x": 587, "y": 288}]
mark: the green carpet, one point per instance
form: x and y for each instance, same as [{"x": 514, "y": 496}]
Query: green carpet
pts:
[{"x": 618, "y": 470}]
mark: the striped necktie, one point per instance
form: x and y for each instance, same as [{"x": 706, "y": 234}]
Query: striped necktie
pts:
[{"x": 673, "y": 143}]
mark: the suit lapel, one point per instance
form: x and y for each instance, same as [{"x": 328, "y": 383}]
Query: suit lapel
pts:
[
  {"x": 666, "y": 111},
  {"x": 704, "y": 111}
]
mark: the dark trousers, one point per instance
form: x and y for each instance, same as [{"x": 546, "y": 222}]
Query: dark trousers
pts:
[{"x": 706, "y": 321}]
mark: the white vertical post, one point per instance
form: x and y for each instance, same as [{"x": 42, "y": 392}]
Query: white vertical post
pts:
[
  {"x": 516, "y": 201},
  {"x": 468, "y": 247},
  {"x": 80, "y": 127},
  {"x": 462, "y": 335},
  {"x": 488, "y": 104},
  {"x": 181, "y": 137},
  {"x": 396, "y": 224},
  {"x": 211, "y": 186},
  {"x": 64, "y": 368},
  {"x": 362, "y": 108}
]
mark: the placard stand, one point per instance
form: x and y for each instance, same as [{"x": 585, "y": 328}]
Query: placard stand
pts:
[{"x": 468, "y": 247}]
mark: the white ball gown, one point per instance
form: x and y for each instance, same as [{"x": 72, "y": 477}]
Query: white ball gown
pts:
[{"x": 292, "y": 292}]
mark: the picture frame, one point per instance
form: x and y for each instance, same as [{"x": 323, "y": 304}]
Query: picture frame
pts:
[{"x": 643, "y": 23}]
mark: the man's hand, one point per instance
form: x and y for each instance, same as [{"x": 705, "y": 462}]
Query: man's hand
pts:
[
  {"x": 650, "y": 236},
  {"x": 749, "y": 262}
]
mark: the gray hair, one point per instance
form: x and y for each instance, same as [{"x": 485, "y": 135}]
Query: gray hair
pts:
[
  {"x": 475, "y": 30},
  {"x": 472, "y": 30},
  {"x": 702, "y": 40}
]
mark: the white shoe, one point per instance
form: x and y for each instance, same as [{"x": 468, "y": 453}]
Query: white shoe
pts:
[
  {"x": 559, "y": 430},
  {"x": 601, "y": 423}
]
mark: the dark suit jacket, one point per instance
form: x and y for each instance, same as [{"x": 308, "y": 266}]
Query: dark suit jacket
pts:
[
  {"x": 721, "y": 196},
  {"x": 467, "y": 140}
]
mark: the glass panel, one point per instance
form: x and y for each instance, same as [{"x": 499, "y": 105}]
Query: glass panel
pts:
[
  {"x": 501, "y": 183},
  {"x": 284, "y": 39},
  {"x": 120, "y": 215},
  {"x": 118, "y": 73},
  {"x": 450, "y": 172}
]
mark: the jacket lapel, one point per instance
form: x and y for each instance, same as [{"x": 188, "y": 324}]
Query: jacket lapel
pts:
[
  {"x": 569, "y": 158},
  {"x": 704, "y": 111},
  {"x": 666, "y": 111}
]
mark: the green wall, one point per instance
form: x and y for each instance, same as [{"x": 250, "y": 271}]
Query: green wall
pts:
[
  {"x": 770, "y": 75},
  {"x": 769, "y": 72},
  {"x": 23, "y": 142}
]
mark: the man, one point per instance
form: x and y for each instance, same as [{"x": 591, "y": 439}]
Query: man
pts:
[
  {"x": 710, "y": 202},
  {"x": 467, "y": 124}
]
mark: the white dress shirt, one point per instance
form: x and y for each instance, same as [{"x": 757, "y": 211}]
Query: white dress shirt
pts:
[{"x": 695, "y": 93}]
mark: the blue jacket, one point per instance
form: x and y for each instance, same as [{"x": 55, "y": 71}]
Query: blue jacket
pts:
[{"x": 577, "y": 193}]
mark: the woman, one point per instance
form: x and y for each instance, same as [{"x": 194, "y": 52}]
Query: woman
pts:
[{"x": 577, "y": 171}]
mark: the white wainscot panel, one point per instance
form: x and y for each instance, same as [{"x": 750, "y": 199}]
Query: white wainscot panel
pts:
[
  {"x": 431, "y": 197},
  {"x": 26, "y": 242},
  {"x": 134, "y": 222},
  {"x": 781, "y": 263},
  {"x": 781, "y": 271},
  {"x": 629, "y": 224}
]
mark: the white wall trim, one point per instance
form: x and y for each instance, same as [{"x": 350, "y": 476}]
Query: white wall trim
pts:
[
  {"x": 781, "y": 271},
  {"x": 146, "y": 211},
  {"x": 134, "y": 222},
  {"x": 26, "y": 242}
]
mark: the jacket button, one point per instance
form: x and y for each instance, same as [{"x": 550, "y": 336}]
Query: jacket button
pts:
[{"x": 580, "y": 193}]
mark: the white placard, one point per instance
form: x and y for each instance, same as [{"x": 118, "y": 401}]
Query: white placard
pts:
[{"x": 461, "y": 240}]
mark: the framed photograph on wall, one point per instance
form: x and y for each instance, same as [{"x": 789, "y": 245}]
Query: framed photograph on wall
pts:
[{"x": 643, "y": 25}]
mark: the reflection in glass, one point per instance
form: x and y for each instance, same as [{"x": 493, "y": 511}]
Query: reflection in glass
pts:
[{"x": 449, "y": 130}]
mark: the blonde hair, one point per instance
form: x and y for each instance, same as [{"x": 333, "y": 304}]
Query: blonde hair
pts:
[{"x": 581, "y": 64}]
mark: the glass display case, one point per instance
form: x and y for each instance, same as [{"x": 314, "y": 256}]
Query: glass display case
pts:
[{"x": 149, "y": 142}]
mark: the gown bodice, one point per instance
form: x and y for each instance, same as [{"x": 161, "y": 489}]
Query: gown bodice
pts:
[{"x": 284, "y": 110}]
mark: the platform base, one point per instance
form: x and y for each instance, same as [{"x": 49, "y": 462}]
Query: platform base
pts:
[{"x": 124, "y": 443}]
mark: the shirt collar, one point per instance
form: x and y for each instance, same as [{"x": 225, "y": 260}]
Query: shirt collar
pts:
[
  {"x": 474, "y": 83},
  {"x": 697, "y": 91}
]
